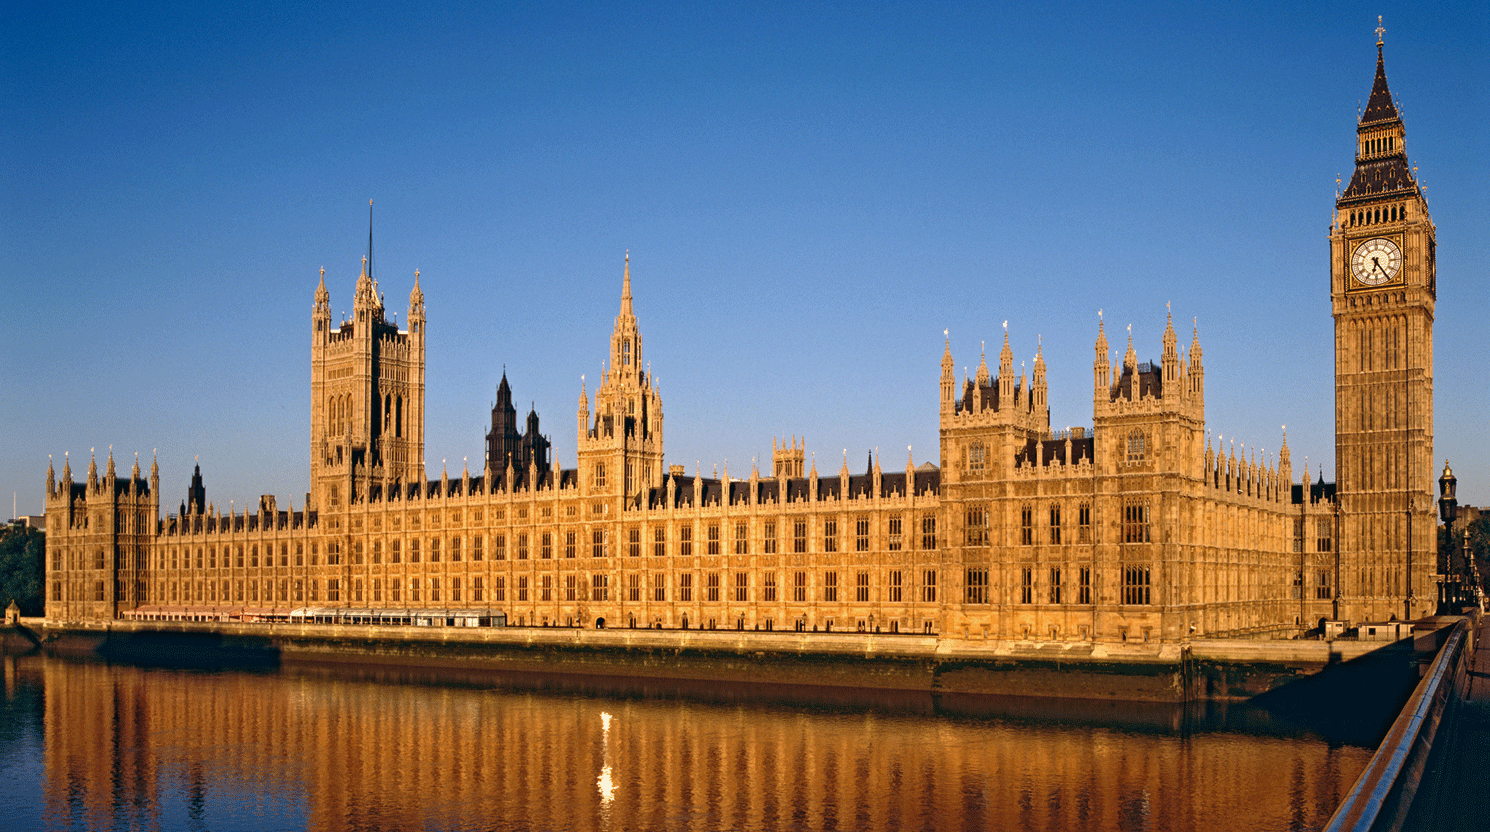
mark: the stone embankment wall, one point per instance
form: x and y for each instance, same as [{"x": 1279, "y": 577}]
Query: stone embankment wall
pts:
[{"x": 1218, "y": 670}]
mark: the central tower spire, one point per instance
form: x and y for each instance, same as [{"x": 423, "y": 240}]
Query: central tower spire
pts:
[{"x": 620, "y": 444}]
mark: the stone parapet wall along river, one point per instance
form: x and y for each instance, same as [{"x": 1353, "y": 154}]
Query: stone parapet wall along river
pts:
[{"x": 1211, "y": 670}]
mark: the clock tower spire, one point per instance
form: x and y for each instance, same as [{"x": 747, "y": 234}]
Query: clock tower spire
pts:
[{"x": 1382, "y": 292}]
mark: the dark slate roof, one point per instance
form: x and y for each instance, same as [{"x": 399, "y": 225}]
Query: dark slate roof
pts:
[
  {"x": 1149, "y": 381},
  {"x": 1377, "y": 177},
  {"x": 1318, "y": 492},
  {"x": 1380, "y": 107},
  {"x": 1049, "y": 450},
  {"x": 928, "y": 481}
]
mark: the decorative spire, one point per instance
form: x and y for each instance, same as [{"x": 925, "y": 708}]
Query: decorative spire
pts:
[
  {"x": 1130, "y": 358},
  {"x": 626, "y": 287},
  {"x": 416, "y": 296},
  {"x": 1380, "y": 107},
  {"x": 323, "y": 297}
]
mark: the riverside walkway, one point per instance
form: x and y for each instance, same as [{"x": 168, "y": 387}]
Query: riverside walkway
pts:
[{"x": 1456, "y": 787}]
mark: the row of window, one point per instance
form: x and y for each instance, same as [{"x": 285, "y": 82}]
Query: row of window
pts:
[
  {"x": 1135, "y": 589},
  {"x": 1135, "y": 586},
  {"x": 544, "y": 586},
  {"x": 1135, "y": 527},
  {"x": 1321, "y": 587},
  {"x": 1324, "y": 534},
  {"x": 1373, "y": 216},
  {"x": 547, "y": 545}
]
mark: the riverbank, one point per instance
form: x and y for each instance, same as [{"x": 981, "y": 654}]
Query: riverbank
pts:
[{"x": 1202, "y": 670}]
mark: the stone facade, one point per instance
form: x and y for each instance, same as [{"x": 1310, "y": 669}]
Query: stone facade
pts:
[
  {"x": 1140, "y": 528},
  {"x": 1383, "y": 285}
]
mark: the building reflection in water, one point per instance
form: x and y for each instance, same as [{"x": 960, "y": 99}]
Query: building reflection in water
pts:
[{"x": 128, "y": 747}]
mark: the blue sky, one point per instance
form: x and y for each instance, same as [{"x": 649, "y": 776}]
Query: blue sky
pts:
[{"x": 811, "y": 193}]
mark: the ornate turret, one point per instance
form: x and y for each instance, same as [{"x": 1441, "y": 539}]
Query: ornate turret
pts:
[
  {"x": 620, "y": 443},
  {"x": 1102, "y": 364},
  {"x": 949, "y": 377},
  {"x": 1006, "y": 373}
]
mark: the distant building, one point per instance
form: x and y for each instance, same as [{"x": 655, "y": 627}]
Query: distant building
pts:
[{"x": 1140, "y": 528}]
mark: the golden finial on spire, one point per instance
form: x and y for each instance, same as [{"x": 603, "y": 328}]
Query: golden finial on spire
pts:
[{"x": 1380, "y": 30}]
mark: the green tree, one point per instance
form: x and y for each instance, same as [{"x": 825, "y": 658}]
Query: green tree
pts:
[{"x": 23, "y": 553}]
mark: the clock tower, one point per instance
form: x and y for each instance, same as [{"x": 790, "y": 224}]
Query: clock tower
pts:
[{"x": 1382, "y": 289}]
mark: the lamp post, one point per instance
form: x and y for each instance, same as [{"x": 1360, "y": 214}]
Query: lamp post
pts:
[{"x": 1448, "y": 510}]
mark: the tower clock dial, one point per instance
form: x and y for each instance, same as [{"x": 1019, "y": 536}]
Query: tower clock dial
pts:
[{"x": 1376, "y": 261}]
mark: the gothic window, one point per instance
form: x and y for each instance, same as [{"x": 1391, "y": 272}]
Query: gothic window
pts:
[
  {"x": 799, "y": 586},
  {"x": 597, "y": 545},
  {"x": 659, "y": 543},
  {"x": 685, "y": 541},
  {"x": 659, "y": 586},
  {"x": 1325, "y": 537},
  {"x": 1026, "y": 585},
  {"x": 861, "y": 534},
  {"x": 768, "y": 537},
  {"x": 713, "y": 531},
  {"x": 742, "y": 586},
  {"x": 569, "y": 544},
  {"x": 1026, "y": 525},
  {"x": 976, "y": 458},
  {"x": 1136, "y": 522},
  {"x": 770, "y": 587},
  {"x": 625, "y": 353},
  {"x": 1055, "y": 584},
  {"x": 928, "y": 532},
  {"x": 894, "y": 541},
  {"x": 522, "y": 589},
  {"x": 571, "y": 587},
  {"x": 977, "y": 586},
  {"x": 633, "y": 543},
  {"x": 1055, "y": 524},
  {"x": 600, "y": 475},
  {"x": 1135, "y": 446},
  {"x": 685, "y": 587},
  {"x": 830, "y": 586},
  {"x": 545, "y": 546},
  {"x": 1084, "y": 585},
  {"x": 1136, "y": 585},
  {"x": 895, "y": 585},
  {"x": 522, "y": 546},
  {"x": 711, "y": 586},
  {"x": 633, "y": 587},
  {"x": 928, "y": 586},
  {"x": 741, "y": 538},
  {"x": 977, "y": 526},
  {"x": 799, "y": 536}
]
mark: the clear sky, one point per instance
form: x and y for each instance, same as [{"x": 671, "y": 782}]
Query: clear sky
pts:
[{"x": 811, "y": 193}]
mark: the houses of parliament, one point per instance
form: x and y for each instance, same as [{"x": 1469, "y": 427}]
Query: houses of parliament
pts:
[{"x": 1137, "y": 528}]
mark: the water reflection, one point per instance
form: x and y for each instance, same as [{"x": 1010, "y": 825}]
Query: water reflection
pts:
[{"x": 130, "y": 747}]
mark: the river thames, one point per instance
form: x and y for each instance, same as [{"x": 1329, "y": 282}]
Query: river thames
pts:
[{"x": 90, "y": 745}]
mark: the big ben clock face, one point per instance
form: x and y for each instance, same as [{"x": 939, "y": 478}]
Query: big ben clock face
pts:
[{"x": 1376, "y": 261}]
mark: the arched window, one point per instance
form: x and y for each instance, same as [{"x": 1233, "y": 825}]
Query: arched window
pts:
[{"x": 1135, "y": 446}]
